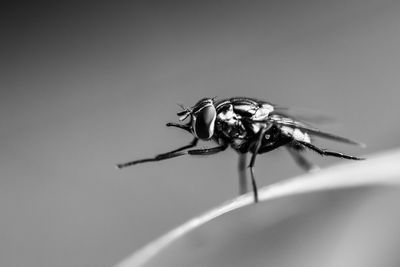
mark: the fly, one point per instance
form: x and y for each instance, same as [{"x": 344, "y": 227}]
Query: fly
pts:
[{"x": 247, "y": 125}]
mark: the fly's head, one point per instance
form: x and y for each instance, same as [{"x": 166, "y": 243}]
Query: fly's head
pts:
[{"x": 202, "y": 118}]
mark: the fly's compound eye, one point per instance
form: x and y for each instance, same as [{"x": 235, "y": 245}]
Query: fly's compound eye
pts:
[{"x": 203, "y": 120}]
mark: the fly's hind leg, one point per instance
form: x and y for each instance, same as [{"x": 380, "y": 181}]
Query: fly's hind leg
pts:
[
  {"x": 326, "y": 152},
  {"x": 295, "y": 151}
]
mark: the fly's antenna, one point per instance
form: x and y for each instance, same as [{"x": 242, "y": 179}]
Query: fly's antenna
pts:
[
  {"x": 182, "y": 106},
  {"x": 185, "y": 113},
  {"x": 215, "y": 97}
]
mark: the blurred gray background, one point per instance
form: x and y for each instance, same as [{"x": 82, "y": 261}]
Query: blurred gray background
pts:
[{"x": 86, "y": 85}]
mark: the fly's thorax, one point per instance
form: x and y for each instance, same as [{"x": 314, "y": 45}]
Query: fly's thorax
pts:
[
  {"x": 203, "y": 119},
  {"x": 229, "y": 123},
  {"x": 263, "y": 112}
]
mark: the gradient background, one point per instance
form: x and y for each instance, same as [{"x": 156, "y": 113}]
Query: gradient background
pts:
[{"x": 86, "y": 85}]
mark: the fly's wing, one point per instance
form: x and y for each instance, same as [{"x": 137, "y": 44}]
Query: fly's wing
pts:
[
  {"x": 306, "y": 116},
  {"x": 289, "y": 122}
]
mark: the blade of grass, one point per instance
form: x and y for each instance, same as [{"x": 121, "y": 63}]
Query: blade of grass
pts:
[{"x": 382, "y": 169}]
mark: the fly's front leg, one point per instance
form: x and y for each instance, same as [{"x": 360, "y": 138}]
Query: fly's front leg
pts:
[
  {"x": 180, "y": 126},
  {"x": 171, "y": 154},
  {"x": 190, "y": 145},
  {"x": 207, "y": 151},
  {"x": 156, "y": 158}
]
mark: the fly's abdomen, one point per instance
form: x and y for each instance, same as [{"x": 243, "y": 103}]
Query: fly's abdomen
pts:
[{"x": 296, "y": 134}]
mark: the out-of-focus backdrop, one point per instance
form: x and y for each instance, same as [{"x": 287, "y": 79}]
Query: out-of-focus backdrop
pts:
[{"x": 86, "y": 85}]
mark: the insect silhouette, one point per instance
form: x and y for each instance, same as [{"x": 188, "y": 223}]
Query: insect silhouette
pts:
[{"x": 247, "y": 125}]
